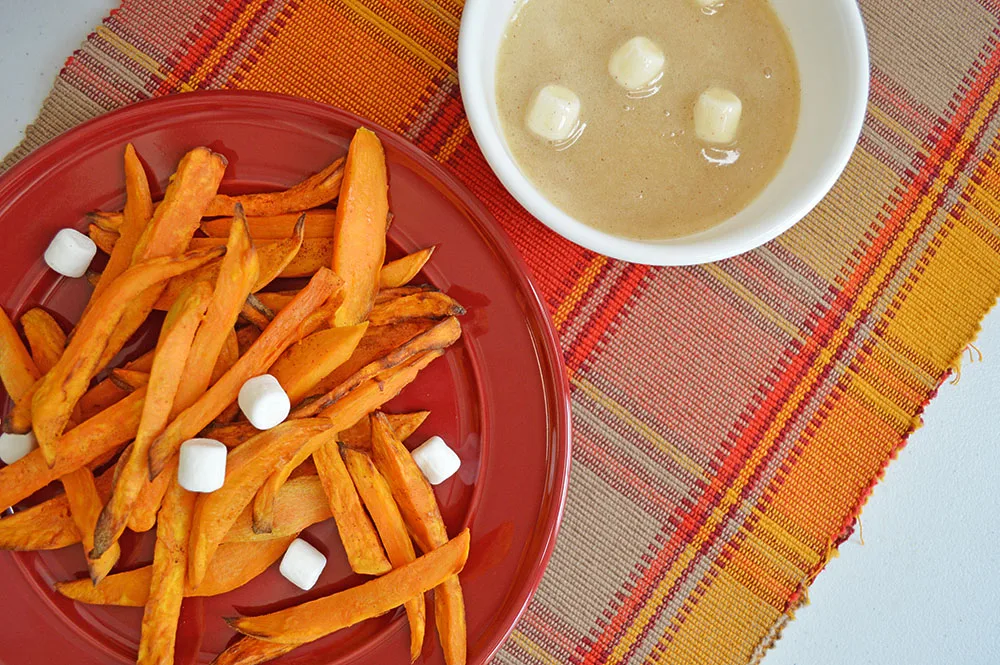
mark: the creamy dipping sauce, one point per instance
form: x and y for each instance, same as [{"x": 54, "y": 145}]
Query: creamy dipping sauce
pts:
[{"x": 633, "y": 165}]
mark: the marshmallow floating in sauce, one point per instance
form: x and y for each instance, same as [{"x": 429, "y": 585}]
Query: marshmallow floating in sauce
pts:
[
  {"x": 264, "y": 402},
  {"x": 717, "y": 115},
  {"x": 70, "y": 253},
  {"x": 15, "y": 446},
  {"x": 436, "y": 460},
  {"x": 637, "y": 64},
  {"x": 202, "y": 465},
  {"x": 554, "y": 113},
  {"x": 302, "y": 564}
]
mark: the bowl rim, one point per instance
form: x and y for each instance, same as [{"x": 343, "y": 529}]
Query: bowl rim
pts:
[{"x": 682, "y": 251}]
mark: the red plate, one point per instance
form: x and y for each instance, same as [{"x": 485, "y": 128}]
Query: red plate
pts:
[{"x": 500, "y": 396}]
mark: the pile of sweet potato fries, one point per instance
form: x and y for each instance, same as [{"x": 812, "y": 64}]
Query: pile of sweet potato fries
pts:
[{"x": 341, "y": 346}]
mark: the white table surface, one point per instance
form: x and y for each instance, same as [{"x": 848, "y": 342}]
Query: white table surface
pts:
[{"x": 925, "y": 586}]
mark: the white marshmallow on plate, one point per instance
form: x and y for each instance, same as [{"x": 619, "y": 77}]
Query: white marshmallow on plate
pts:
[
  {"x": 202, "y": 465},
  {"x": 264, "y": 402},
  {"x": 637, "y": 64},
  {"x": 717, "y": 115},
  {"x": 15, "y": 446},
  {"x": 554, "y": 113},
  {"x": 302, "y": 564},
  {"x": 436, "y": 460},
  {"x": 70, "y": 253}
]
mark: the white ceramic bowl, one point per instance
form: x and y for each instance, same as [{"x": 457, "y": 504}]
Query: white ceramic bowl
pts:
[{"x": 828, "y": 37}]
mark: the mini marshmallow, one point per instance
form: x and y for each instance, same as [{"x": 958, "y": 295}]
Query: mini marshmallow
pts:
[
  {"x": 554, "y": 113},
  {"x": 717, "y": 115},
  {"x": 15, "y": 446},
  {"x": 70, "y": 253},
  {"x": 436, "y": 460},
  {"x": 302, "y": 564},
  {"x": 202, "y": 465},
  {"x": 264, "y": 402},
  {"x": 637, "y": 64}
]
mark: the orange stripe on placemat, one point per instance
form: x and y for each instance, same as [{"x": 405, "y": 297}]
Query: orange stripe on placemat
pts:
[{"x": 946, "y": 156}]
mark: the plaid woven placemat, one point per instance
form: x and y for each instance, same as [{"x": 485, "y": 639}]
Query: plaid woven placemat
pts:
[{"x": 730, "y": 419}]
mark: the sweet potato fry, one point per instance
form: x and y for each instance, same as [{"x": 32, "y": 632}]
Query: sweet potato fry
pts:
[
  {"x": 61, "y": 389},
  {"x": 46, "y": 526},
  {"x": 18, "y": 371},
  {"x": 168, "y": 233},
  {"x": 107, "y": 431},
  {"x": 441, "y": 336},
  {"x": 18, "y": 421},
  {"x": 359, "y": 237},
  {"x": 377, "y": 497},
  {"x": 228, "y": 356},
  {"x": 237, "y": 275},
  {"x": 109, "y": 221},
  {"x": 310, "y": 256},
  {"x": 364, "y": 551},
  {"x": 420, "y": 511},
  {"x": 314, "y": 191},
  {"x": 282, "y": 333},
  {"x": 319, "y": 224},
  {"x": 343, "y": 411},
  {"x": 81, "y": 491},
  {"x": 425, "y": 305},
  {"x": 84, "y": 507},
  {"x": 172, "y": 350},
  {"x": 273, "y": 258},
  {"x": 49, "y": 525},
  {"x": 105, "y": 241},
  {"x": 106, "y": 393},
  {"x": 142, "y": 517},
  {"x": 246, "y": 337},
  {"x": 138, "y": 212},
  {"x": 234, "y": 565},
  {"x": 256, "y": 313},
  {"x": 128, "y": 379},
  {"x": 385, "y": 295},
  {"x": 399, "y": 272},
  {"x": 359, "y": 437},
  {"x": 246, "y": 468},
  {"x": 166, "y": 585},
  {"x": 46, "y": 338},
  {"x": 315, "y": 619},
  {"x": 276, "y": 300},
  {"x": 250, "y": 651},
  {"x": 307, "y": 362},
  {"x": 47, "y": 342},
  {"x": 376, "y": 343},
  {"x": 300, "y": 503}
]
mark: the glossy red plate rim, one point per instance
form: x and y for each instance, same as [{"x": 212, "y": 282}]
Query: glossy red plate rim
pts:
[{"x": 38, "y": 163}]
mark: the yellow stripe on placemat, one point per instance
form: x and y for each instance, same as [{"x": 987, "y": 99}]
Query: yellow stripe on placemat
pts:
[
  {"x": 532, "y": 649},
  {"x": 578, "y": 291},
  {"x": 140, "y": 58},
  {"x": 405, "y": 40}
]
